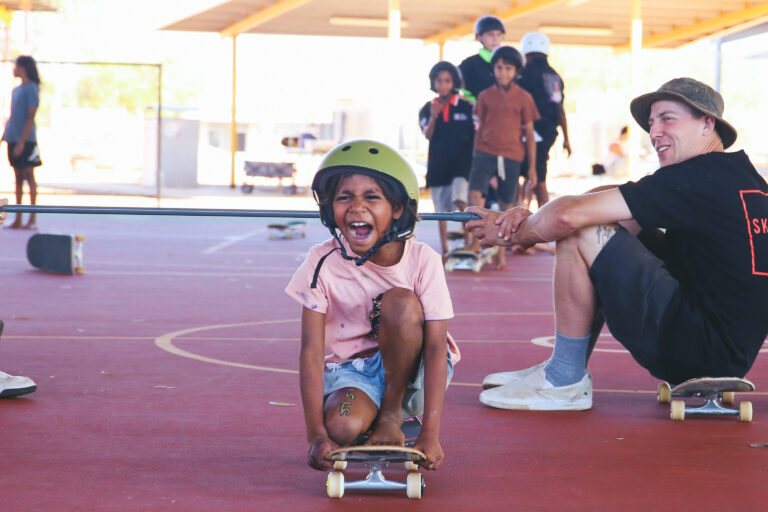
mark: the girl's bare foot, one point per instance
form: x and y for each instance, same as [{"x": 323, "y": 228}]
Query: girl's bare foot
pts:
[
  {"x": 16, "y": 224},
  {"x": 31, "y": 226}
]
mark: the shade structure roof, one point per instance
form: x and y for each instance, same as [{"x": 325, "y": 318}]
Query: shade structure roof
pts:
[
  {"x": 666, "y": 23},
  {"x": 29, "y": 5}
]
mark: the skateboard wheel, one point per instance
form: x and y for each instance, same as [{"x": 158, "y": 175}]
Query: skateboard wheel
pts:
[
  {"x": 728, "y": 398},
  {"x": 677, "y": 410},
  {"x": 411, "y": 466},
  {"x": 334, "y": 485},
  {"x": 80, "y": 270},
  {"x": 664, "y": 393},
  {"x": 414, "y": 485},
  {"x": 745, "y": 411},
  {"x": 340, "y": 465},
  {"x": 80, "y": 238}
]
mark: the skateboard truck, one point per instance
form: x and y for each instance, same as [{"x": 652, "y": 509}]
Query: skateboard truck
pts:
[
  {"x": 717, "y": 393},
  {"x": 375, "y": 458}
]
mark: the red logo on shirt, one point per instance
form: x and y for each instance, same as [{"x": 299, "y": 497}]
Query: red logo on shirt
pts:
[{"x": 755, "y": 204}]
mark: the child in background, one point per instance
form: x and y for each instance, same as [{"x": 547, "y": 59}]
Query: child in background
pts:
[
  {"x": 504, "y": 112},
  {"x": 477, "y": 70},
  {"x": 448, "y": 124},
  {"x": 377, "y": 303}
]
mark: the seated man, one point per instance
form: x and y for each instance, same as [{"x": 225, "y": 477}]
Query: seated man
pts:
[{"x": 688, "y": 301}]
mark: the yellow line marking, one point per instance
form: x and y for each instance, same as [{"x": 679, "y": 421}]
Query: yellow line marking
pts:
[{"x": 165, "y": 342}]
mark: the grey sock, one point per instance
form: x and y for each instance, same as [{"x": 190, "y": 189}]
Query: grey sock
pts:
[{"x": 568, "y": 361}]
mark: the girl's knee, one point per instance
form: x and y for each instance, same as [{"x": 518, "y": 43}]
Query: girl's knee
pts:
[{"x": 402, "y": 306}]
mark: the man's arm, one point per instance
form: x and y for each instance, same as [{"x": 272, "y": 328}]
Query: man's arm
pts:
[{"x": 555, "y": 220}]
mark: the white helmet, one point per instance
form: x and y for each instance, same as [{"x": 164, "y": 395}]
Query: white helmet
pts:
[{"x": 535, "y": 42}]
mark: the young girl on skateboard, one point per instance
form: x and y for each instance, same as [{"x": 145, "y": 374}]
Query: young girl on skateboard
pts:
[{"x": 374, "y": 342}]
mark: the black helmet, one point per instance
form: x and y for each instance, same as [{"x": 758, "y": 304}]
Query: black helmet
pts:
[
  {"x": 487, "y": 23},
  {"x": 444, "y": 65},
  {"x": 508, "y": 54}
]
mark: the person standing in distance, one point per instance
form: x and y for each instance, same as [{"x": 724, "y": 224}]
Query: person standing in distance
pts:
[
  {"x": 20, "y": 133},
  {"x": 546, "y": 86},
  {"x": 477, "y": 70}
]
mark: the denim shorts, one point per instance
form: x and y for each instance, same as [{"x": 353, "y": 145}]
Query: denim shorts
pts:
[{"x": 367, "y": 375}]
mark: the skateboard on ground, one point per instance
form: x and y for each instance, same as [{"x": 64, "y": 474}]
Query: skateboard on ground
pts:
[
  {"x": 464, "y": 259},
  {"x": 62, "y": 254},
  {"x": 375, "y": 458},
  {"x": 294, "y": 229},
  {"x": 717, "y": 392}
]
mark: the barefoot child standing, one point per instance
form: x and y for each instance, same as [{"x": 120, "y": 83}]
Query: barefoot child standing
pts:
[{"x": 374, "y": 342}]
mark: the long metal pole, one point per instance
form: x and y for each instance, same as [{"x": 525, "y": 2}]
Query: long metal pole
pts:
[
  {"x": 204, "y": 212},
  {"x": 233, "y": 121},
  {"x": 159, "y": 164}
]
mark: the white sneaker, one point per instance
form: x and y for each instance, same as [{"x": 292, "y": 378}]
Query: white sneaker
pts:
[
  {"x": 535, "y": 393},
  {"x": 11, "y": 385},
  {"x": 499, "y": 379}
]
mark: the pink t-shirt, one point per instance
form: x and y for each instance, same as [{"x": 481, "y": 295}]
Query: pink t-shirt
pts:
[{"x": 345, "y": 293}]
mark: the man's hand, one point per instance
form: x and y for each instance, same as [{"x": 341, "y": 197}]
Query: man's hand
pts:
[
  {"x": 430, "y": 447},
  {"x": 317, "y": 452},
  {"x": 496, "y": 228}
]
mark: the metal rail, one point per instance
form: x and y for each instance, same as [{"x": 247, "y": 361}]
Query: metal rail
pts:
[{"x": 204, "y": 212}]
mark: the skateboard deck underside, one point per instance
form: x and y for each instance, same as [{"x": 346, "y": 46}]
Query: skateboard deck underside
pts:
[
  {"x": 712, "y": 385},
  {"x": 54, "y": 253}
]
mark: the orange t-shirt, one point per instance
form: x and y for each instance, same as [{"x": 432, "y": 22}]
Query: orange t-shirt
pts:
[{"x": 501, "y": 116}]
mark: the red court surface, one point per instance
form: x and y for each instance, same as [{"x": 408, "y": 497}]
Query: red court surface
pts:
[{"x": 167, "y": 381}]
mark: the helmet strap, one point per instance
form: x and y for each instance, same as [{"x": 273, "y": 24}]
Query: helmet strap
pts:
[{"x": 391, "y": 236}]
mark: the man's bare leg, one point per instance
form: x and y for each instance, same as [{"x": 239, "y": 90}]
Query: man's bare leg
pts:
[{"x": 401, "y": 338}]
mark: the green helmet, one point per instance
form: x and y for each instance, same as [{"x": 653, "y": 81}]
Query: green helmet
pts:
[{"x": 378, "y": 161}]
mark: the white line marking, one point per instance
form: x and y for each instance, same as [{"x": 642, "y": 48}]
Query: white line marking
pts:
[{"x": 231, "y": 240}]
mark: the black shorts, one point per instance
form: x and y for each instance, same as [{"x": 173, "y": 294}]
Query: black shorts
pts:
[
  {"x": 542, "y": 157},
  {"x": 645, "y": 308},
  {"x": 30, "y": 156}
]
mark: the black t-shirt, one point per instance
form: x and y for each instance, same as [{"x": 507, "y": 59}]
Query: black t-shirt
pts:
[
  {"x": 477, "y": 74},
  {"x": 450, "y": 148},
  {"x": 715, "y": 211},
  {"x": 546, "y": 87}
]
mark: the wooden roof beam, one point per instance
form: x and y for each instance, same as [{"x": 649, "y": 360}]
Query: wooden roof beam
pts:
[
  {"x": 468, "y": 28},
  {"x": 264, "y": 15},
  {"x": 703, "y": 28}
]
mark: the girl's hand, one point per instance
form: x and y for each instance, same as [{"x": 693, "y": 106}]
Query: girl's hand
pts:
[
  {"x": 317, "y": 452},
  {"x": 435, "y": 108},
  {"x": 430, "y": 446},
  {"x": 18, "y": 149}
]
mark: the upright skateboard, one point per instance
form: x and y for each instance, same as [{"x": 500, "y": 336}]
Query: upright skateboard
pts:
[
  {"x": 376, "y": 458},
  {"x": 62, "y": 254},
  {"x": 292, "y": 229},
  {"x": 717, "y": 393}
]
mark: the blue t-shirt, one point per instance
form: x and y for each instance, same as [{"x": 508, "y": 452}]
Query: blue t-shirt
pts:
[{"x": 24, "y": 97}]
